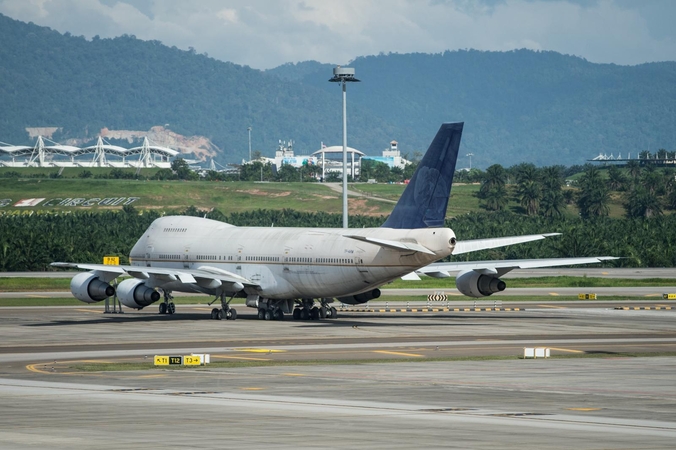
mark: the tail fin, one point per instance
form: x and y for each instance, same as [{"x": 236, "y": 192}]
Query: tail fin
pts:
[{"x": 424, "y": 201}]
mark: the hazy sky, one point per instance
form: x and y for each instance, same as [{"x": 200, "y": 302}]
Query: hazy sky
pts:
[{"x": 267, "y": 33}]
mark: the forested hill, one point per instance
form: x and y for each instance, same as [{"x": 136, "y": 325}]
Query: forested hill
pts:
[
  {"x": 51, "y": 79},
  {"x": 540, "y": 107}
]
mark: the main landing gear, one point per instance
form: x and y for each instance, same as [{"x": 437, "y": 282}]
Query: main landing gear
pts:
[
  {"x": 306, "y": 310},
  {"x": 167, "y": 306},
  {"x": 225, "y": 311}
]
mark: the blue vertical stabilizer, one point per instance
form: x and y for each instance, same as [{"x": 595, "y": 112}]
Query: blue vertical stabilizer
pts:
[{"x": 424, "y": 201}]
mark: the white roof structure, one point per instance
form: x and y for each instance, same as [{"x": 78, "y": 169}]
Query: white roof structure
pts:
[{"x": 41, "y": 155}]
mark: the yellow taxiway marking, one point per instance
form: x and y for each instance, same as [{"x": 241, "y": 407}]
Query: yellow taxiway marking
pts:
[
  {"x": 653, "y": 295},
  {"x": 160, "y": 375},
  {"x": 240, "y": 357},
  {"x": 566, "y": 350},
  {"x": 554, "y": 294},
  {"x": 37, "y": 296},
  {"x": 252, "y": 389},
  {"x": 202, "y": 309},
  {"x": 90, "y": 311},
  {"x": 259, "y": 350},
  {"x": 552, "y": 306},
  {"x": 584, "y": 409},
  {"x": 294, "y": 374},
  {"x": 396, "y": 353}
]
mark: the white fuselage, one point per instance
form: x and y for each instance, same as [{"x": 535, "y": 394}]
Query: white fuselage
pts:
[{"x": 288, "y": 263}]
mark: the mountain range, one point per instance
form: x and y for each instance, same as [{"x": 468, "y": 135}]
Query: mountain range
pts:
[{"x": 518, "y": 106}]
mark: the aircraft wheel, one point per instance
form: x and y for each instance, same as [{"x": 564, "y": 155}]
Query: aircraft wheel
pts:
[
  {"x": 261, "y": 313},
  {"x": 231, "y": 314},
  {"x": 322, "y": 312},
  {"x": 214, "y": 313},
  {"x": 268, "y": 314},
  {"x": 220, "y": 315},
  {"x": 304, "y": 314},
  {"x": 279, "y": 315},
  {"x": 334, "y": 313},
  {"x": 171, "y": 308},
  {"x": 163, "y": 308},
  {"x": 296, "y": 314},
  {"x": 314, "y": 313}
]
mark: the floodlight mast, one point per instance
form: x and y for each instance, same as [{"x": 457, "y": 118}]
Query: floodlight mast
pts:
[{"x": 344, "y": 75}]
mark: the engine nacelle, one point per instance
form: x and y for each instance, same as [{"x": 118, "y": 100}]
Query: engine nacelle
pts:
[
  {"x": 88, "y": 288},
  {"x": 135, "y": 294},
  {"x": 360, "y": 298},
  {"x": 474, "y": 284}
]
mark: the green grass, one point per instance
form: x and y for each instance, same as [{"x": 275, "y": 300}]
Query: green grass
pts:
[{"x": 144, "y": 366}]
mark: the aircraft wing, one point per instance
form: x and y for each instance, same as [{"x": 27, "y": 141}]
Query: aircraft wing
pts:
[
  {"x": 499, "y": 268},
  {"x": 474, "y": 245},
  {"x": 184, "y": 275}
]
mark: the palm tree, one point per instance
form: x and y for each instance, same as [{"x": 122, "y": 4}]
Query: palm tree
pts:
[
  {"x": 552, "y": 203},
  {"x": 530, "y": 194},
  {"x": 495, "y": 199},
  {"x": 643, "y": 203},
  {"x": 495, "y": 176},
  {"x": 616, "y": 178},
  {"x": 634, "y": 169},
  {"x": 552, "y": 177}
]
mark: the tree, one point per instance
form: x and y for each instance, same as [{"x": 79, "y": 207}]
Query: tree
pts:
[
  {"x": 182, "y": 170},
  {"x": 529, "y": 194},
  {"x": 616, "y": 179},
  {"x": 495, "y": 176},
  {"x": 634, "y": 169},
  {"x": 594, "y": 195},
  {"x": 642, "y": 203},
  {"x": 496, "y": 198}
]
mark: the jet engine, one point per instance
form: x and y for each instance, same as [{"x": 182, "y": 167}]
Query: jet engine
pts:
[
  {"x": 135, "y": 294},
  {"x": 89, "y": 288},
  {"x": 475, "y": 284},
  {"x": 360, "y": 298}
]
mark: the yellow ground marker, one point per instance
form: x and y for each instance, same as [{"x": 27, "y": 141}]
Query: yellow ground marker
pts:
[
  {"x": 294, "y": 374},
  {"x": 37, "y": 296},
  {"x": 554, "y": 294},
  {"x": 584, "y": 409},
  {"x": 566, "y": 350},
  {"x": 397, "y": 353},
  {"x": 159, "y": 375},
  {"x": 96, "y": 311},
  {"x": 252, "y": 389},
  {"x": 552, "y": 306},
  {"x": 259, "y": 350},
  {"x": 240, "y": 357}
]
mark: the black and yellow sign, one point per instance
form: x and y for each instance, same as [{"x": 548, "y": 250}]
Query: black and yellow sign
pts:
[
  {"x": 189, "y": 360},
  {"x": 669, "y": 296},
  {"x": 111, "y": 260},
  {"x": 586, "y": 296},
  {"x": 168, "y": 360}
]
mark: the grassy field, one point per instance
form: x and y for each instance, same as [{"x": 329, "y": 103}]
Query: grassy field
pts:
[{"x": 232, "y": 196}]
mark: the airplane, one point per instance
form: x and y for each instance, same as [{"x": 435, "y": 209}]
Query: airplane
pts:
[{"x": 300, "y": 271}]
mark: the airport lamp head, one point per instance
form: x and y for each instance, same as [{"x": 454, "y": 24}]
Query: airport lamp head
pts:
[{"x": 343, "y": 74}]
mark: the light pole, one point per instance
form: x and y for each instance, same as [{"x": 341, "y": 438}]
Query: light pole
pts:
[
  {"x": 344, "y": 75},
  {"x": 470, "y": 160},
  {"x": 249, "y": 130}
]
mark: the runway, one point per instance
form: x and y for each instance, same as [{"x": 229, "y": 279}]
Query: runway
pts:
[{"x": 326, "y": 390}]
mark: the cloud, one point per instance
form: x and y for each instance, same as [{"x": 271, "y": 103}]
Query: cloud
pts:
[{"x": 266, "y": 33}]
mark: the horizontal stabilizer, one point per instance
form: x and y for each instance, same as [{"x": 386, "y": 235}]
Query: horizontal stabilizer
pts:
[
  {"x": 395, "y": 245},
  {"x": 483, "y": 244}
]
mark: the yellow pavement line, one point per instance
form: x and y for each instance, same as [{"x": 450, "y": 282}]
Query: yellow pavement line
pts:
[
  {"x": 566, "y": 350},
  {"x": 396, "y": 353},
  {"x": 294, "y": 374},
  {"x": 252, "y": 389},
  {"x": 259, "y": 350},
  {"x": 90, "y": 311},
  {"x": 584, "y": 409},
  {"x": 552, "y": 306},
  {"x": 240, "y": 357},
  {"x": 37, "y": 296},
  {"x": 553, "y": 294},
  {"x": 160, "y": 375}
]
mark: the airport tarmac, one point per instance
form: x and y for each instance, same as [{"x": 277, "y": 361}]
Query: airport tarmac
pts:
[{"x": 312, "y": 400}]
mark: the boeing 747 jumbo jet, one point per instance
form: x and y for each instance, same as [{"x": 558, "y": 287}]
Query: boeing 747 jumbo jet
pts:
[{"x": 301, "y": 271}]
